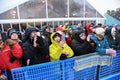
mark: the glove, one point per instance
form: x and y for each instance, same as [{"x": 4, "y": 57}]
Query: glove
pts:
[
  {"x": 2, "y": 77},
  {"x": 63, "y": 57},
  {"x": 12, "y": 58},
  {"x": 92, "y": 43},
  {"x": 1, "y": 46},
  {"x": 10, "y": 43},
  {"x": 111, "y": 52}
]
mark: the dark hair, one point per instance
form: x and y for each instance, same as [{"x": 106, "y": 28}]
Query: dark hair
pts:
[{"x": 56, "y": 34}]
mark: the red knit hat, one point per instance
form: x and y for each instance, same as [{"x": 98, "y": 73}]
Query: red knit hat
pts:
[{"x": 59, "y": 30}]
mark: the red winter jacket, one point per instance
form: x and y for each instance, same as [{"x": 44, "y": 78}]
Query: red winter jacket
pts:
[
  {"x": 68, "y": 40},
  {"x": 2, "y": 64},
  {"x": 88, "y": 28},
  {"x": 16, "y": 51}
]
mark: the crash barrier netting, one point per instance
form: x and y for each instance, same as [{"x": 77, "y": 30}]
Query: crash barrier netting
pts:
[
  {"x": 84, "y": 67},
  {"x": 111, "y": 72},
  {"x": 112, "y": 77}
]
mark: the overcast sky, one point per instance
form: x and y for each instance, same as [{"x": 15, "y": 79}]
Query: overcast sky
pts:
[{"x": 103, "y": 5}]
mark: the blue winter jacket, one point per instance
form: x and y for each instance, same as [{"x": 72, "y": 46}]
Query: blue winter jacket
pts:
[{"x": 102, "y": 45}]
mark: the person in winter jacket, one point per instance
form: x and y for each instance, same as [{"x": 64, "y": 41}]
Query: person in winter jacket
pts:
[
  {"x": 102, "y": 43},
  {"x": 2, "y": 68},
  {"x": 80, "y": 27},
  {"x": 11, "y": 52},
  {"x": 35, "y": 48},
  {"x": 89, "y": 27},
  {"x": 118, "y": 39},
  {"x": 81, "y": 44},
  {"x": 111, "y": 37},
  {"x": 59, "y": 50},
  {"x": 46, "y": 34},
  {"x": 2, "y": 63}
]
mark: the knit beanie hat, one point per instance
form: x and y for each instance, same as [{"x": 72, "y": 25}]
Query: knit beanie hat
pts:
[
  {"x": 10, "y": 32},
  {"x": 99, "y": 33},
  {"x": 59, "y": 30},
  {"x": 99, "y": 30}
]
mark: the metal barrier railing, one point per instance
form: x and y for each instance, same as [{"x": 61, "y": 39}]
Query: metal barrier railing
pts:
[{"x": 78, "y": 68}]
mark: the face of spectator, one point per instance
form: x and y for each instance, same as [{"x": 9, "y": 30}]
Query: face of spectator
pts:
[
  {"x": 79, "y": 25},
  {"x": 47, "y": 29},
  {"x": 57, "y": 39},
  {"x": 82, "y": 36},
  {"x": 51, "y": 30},
  {"x": 113, "y": 33},
  {"x": 14, "y": 36},
  {"x": 33, "y": 34},
  {"x": 101, "y": 36}
]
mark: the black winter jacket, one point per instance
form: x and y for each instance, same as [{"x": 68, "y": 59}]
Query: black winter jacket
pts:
[
  {"x": 36, "y": 54},
  {"x": 81, "y": 47}
]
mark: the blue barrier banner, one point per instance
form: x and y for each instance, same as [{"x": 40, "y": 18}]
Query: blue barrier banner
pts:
[{"x": 90, "y": 60}]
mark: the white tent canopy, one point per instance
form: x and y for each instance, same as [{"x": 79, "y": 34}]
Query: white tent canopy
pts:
[{"x": 8, "y": 4}]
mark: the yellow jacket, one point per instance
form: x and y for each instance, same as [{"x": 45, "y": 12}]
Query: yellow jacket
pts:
[{"x": 56, "y": 50}]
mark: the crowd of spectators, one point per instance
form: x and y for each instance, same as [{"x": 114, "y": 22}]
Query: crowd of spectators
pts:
[
  {"x": 114, "y": 13},
  {"x": 63, "y": 42}
]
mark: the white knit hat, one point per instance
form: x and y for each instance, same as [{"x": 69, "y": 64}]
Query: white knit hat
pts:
[
  {"x": 113, "y": 30},
  {"x": 99, "y": 30}
]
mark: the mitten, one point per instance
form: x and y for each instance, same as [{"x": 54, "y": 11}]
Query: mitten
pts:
[
  {"x": 63, "y": 57},
  {"x": 12, "y": 58},
  {"x": 10, "y": 43}
]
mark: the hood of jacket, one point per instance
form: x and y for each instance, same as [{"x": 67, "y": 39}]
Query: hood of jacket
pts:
[
  {"x": 77, "y": 37},
  {"x": 52, "y": 40},
  {"x": 28, "y": 31}
]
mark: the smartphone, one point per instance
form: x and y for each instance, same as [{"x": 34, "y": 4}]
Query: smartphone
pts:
[{"x": 63, "y": 38}]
